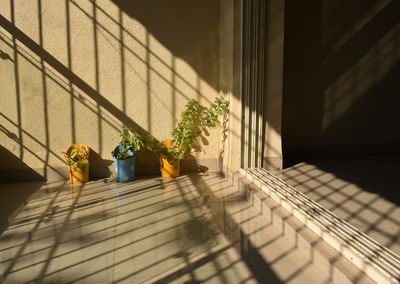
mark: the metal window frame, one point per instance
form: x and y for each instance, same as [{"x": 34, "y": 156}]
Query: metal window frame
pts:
[{"x": 252, "y": 81}]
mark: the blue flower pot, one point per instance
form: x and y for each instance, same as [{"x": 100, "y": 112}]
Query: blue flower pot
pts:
[{"x": 124, "y": 169}]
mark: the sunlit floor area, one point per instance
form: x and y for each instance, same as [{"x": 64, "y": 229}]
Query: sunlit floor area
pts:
[
  {"x": 107, "y": 232},
  {"x": 363, "y": 191},
  {"x": 193, "y": 229}
]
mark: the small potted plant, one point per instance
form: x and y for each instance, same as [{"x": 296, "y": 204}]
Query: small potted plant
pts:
[
  {"x": 77, "y": 158},
  {"x": 125, "y": 154},
  {"x": 194, "y": 119}
]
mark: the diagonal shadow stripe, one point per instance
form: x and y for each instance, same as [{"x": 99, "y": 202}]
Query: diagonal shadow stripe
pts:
[
  {"x": 359, "y": 45},
  {"x": 67, "y": 73}
]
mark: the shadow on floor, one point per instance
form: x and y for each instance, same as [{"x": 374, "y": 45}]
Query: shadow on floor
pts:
[
  {"x": 375, "y": 174},
  {"x": 364, "y": 191}
]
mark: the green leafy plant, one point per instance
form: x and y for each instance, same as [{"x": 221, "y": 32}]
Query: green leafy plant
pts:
[
  {"x": 129, "y": 139},
  {"x": 194, "y": 120},
  {"x": 77, "y": 157},
  {"x": 124, "y": 155}
]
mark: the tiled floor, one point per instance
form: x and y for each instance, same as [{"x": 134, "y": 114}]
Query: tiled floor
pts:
[
  {"x": 192, "y": 229},
  {"x": 363, "y": 191},
  {"x": 106, "y": 232}
]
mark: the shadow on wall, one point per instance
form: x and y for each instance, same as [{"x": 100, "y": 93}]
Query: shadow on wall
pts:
[
  {"x": 102, "y": 168},
  {"x": 341, "y": 86},
  {"x": 76, "y": 97},
  {"x": 80, "y": 72},
  {"x": 189, "y": 29},
  {"x": 14, "y": 195},
  {"x": 341, "y": 96},
  {"x": 372, "y": 119},
  {"x": 9, "y": 162}
]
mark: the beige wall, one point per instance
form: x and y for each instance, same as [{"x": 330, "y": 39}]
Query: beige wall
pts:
[
  {"x": 75, "y": 71},
  {"x": 230, "y": 82}
]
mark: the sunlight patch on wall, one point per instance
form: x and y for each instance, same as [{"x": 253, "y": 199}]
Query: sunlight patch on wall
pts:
[{"x": 131, "y": 75}]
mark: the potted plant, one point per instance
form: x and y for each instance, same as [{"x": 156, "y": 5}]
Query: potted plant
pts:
[
  {"x": 194, "y": 120},
  {"x": 77, "y": 158},
  {"x": 125, "y": 154}
]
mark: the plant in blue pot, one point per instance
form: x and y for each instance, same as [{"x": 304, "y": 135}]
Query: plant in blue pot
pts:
[{"x": 125, "y": 154}]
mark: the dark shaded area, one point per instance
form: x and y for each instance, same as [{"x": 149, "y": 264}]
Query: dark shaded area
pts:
[
  {"x": 323, "y": 41},
  {"x": 5, "y": 56},
  {"x": 337, "y": 62},
  {"x": 13, "y": 195},
  {"x": 189, "y": 29},
  {"x": 296, "y": 154},
  {"x": 12, "y": 169},
  {"x": 302, "y": 100},
  {"x": 376, "y": 174},
  {"x": 99, "y": 167},
  {"x": 340, "y": 101},
  {"x": 339, "y": 15},
  {"x": 190, "y": 165},
  {"x": 373, "y": 119},
  {"x": 260, "y": 269}
]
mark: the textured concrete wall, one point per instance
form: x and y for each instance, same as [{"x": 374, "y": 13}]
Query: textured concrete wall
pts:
[
  {"x": 230, "y": 78},
  {"x": 76, "y": 71}
]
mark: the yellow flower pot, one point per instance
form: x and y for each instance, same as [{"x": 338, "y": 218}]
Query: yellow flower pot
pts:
[
  {"x": 168, "y": 169},
  {"x": 79, "y": 172},
  {"x": 79, "y": 175}
]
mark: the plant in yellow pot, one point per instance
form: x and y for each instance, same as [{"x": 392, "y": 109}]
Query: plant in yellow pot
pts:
[
  {"x": 169, "y": 159},
  {"x": 77, "y": 158},
  {"x": 194, "y": 119}
]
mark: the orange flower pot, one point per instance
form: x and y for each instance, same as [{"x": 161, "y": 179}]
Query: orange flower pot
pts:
[{"x": 167, "y": 169}]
